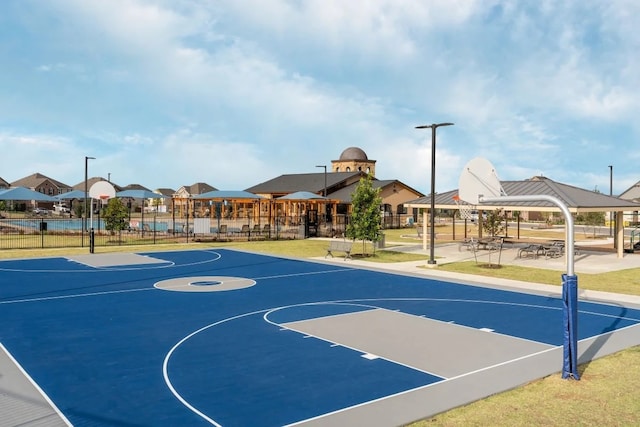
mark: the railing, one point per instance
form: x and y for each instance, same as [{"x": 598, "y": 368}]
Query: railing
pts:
[{"x": 24, "y": 232}]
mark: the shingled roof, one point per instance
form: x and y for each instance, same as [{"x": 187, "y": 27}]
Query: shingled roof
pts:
[
  {"x": 576, "y": 199},
  {"x": 36, "y": 179}
]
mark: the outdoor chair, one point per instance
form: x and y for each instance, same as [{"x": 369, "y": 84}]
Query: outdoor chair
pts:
[
  {"x": 470, "y": 244},
  {"x": 532, "y": 250}
]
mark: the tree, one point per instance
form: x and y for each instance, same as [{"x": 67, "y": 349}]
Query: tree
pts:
[
  {"x": 115, "y": 215},
  {"x": 78, "y": 210},
  {"x": 594, "y": 219},
  {"x": 365, "y": 221},
  {"x": 494, "y": 224}
]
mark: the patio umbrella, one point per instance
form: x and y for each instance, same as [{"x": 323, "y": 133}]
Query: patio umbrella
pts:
[
  {"x": 75, "y": 194},
  {"x": 24, "y": 194}
]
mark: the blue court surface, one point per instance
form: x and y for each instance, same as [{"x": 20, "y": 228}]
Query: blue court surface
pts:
[{"x": 229, "y": 338}]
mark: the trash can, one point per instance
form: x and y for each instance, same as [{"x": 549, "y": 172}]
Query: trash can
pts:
[
  {"x": 380, "y": 242},
  {"x": 43, "y": 226}
]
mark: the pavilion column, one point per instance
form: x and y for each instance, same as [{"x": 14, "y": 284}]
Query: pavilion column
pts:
[
  {"x": 619, "y": 234},
  {"x": 425, "y": 218}
]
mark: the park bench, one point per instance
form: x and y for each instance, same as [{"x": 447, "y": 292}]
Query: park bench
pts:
[
  {"x": 470, "y": 244},
  {"x": 339, "y": 246}
]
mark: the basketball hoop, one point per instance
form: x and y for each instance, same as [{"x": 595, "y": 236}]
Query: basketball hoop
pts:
[
  {"x": 463, "y": 207},
  {"x": 104, "y": 199}
]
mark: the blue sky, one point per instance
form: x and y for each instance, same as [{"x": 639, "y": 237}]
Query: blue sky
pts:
[{"x": 167, "y": 93}]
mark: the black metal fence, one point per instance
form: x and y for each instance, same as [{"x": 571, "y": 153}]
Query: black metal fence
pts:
[{"x": 56, "y": 232}]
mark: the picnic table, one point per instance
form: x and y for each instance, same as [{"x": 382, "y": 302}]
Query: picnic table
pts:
[{"x": 490, "y": 243}]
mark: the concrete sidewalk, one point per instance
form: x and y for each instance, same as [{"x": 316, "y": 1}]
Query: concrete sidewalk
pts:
[{"x": 585, "y": 261}]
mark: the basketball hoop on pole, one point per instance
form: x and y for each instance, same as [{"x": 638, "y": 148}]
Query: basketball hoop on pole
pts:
[
  {"x": 479, "y": 184},
  {"x": 103, "y": 191},
  {"x": 464, "y": 208}
]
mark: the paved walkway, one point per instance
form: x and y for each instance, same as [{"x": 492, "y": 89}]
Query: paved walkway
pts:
[{"x": 586, "y": 261}]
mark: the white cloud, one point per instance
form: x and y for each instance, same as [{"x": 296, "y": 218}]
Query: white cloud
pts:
[{"x": 291, "y": 84}]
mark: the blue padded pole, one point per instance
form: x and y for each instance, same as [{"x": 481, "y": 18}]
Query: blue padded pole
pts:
[
  {"x": 569, "y": 282},
  {"x": 570, "y": 322}
]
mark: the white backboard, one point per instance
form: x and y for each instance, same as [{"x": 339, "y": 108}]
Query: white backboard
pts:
[
  {"x": 102, "y": 190},
  {"x": 479, "y": 178}
]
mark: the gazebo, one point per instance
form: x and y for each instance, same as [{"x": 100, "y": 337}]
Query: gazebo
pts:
[{"x": 576, "y": 199}]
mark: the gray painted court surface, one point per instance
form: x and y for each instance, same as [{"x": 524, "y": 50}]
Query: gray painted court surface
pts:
[
  {"x": 499, "y": 363},
  {"x": 431, "y": 346}
]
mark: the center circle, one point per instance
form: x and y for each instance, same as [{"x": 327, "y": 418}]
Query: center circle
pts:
[{"x": 204, "y": 284}]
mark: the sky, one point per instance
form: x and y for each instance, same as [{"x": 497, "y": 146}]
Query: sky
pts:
[{"x": 166, "y": 93}]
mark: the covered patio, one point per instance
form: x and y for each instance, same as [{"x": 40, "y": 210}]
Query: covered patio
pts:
[{"x": 577, "y": 200}]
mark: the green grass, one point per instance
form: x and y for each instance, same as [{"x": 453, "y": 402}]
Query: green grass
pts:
[
  {"x": 621, "y": 282},
  {"x": 607, "y": 394}
]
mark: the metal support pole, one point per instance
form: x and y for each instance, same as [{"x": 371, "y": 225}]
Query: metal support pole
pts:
[
  {"x": 432, "y": 221},
  {"x": 86, "y": 197}
]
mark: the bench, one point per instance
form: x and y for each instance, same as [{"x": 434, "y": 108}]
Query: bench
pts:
[
  {"x": 532, "y": 250},
  {"x": 471, "y": 244},
  {"x": 339, "y": 246}
]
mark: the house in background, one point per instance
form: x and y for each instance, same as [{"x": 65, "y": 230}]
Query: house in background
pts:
[
  {"x": 633, "y": 195},
  {"x": 183, "y": 203},
  {"x": 42, "y": 184},
  {"x": 163, "y": 205},
  {"x": 4, "y": 184}
]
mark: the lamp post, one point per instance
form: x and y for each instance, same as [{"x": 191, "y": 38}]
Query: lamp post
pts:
[
  {"x": 86, "y": 194},
  {"x": 432, "y": 234}
]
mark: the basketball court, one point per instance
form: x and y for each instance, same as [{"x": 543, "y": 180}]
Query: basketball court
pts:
[{"x": 230, "y": 338}]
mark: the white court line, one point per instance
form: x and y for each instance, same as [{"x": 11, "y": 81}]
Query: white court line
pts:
[
  {"x": 168, "y": 264},
  {"x": 89, "y": 294},
  {"x": 165, "y": 364},
  {"x": 354, "y": 302},
  {"x": 36, "y": 386},
  {"x": 355, "y": 349},
  {"x": 380, "y": 399}
]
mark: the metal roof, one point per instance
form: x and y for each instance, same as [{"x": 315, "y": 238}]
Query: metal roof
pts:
[
  {"x": 313, "y": 182},
  {"x": 576, "y": 199}
]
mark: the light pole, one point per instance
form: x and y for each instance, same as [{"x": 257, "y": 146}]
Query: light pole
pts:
[
  {"x": 86, "y": 194},
  {"x": 432, "y": 234}
]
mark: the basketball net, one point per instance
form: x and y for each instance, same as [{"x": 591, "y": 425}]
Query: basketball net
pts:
[
  {"x": 104, "y": 199},
  {"x": 463, "y": 207}
]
